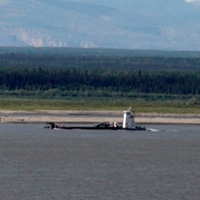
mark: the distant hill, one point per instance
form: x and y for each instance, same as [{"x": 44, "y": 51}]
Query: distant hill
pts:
[
  {"x": 98, "y": 59},
  {"x": 127, "y": 24},
  {"x": 98, "y": 52}
]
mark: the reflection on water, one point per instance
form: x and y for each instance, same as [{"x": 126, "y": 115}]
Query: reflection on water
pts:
[{"x": 38, "y": 163}]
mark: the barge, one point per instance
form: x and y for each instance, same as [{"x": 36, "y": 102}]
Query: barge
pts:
[{"x": 128, "y": 124}]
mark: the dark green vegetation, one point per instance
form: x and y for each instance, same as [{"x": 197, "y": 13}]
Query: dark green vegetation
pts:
[
  {"x": 180, "y": 106},
  {"x": 83, "y": 82},
  {"x": 100, "y": 79},
  {"x": 126, "y": 60},
  {"x": 97, "y": 52}
]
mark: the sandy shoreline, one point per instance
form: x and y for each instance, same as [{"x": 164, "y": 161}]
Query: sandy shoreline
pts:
[{"x": 79, "y": 116}]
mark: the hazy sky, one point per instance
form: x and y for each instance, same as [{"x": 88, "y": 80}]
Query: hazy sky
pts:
[{"x": 192, "y": 1}]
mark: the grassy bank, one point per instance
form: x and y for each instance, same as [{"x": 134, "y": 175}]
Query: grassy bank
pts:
[{"x": 139, "y": 105}]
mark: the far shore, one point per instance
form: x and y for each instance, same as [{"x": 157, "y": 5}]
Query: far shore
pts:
[{"x": 93, "y": 116}]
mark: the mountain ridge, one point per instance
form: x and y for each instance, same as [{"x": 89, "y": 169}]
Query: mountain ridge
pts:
[{"x": 153, "y": 24}]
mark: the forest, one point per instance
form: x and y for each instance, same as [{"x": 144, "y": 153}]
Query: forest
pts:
[
  {"x": 99, "y": 74},
  {"x": 109, "y": 81},
  {"x": 104, "y": 62}
]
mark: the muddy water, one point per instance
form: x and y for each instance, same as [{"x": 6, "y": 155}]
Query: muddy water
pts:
[{"x": 43, "y": 164}]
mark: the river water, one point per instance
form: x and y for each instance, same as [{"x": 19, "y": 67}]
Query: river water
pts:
[{"x": 42, "y": 164}]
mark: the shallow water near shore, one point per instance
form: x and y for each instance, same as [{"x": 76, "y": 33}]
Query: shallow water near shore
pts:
[{"x": 39, "y": 163}]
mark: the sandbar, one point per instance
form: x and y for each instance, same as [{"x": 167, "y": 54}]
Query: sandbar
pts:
[{"x": 94, "y": 116}]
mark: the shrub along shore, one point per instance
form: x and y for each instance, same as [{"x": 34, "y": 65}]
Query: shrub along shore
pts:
[{"x": 190, "y": 106}]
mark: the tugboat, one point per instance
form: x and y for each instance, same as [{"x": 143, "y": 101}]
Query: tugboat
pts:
[{"x": 128, "y": 124}]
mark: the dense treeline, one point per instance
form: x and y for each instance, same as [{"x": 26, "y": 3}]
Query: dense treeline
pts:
[
  {"x": 69, "y": 79},
  {"x": 125, "y": 63},
  {"x": 66, "y": 51},
  {"x": 97, "y": 72}
]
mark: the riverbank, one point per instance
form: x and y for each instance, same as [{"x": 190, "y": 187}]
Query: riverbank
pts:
[
  {"x": 172, "y": 104},
  {"x": 92, "y": 116}
]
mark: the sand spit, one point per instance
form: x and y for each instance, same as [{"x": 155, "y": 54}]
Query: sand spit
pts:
[{"x": 81, "y": 116}]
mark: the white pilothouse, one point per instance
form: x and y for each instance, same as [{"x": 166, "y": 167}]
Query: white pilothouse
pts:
[{"x": 128, "y": 120}]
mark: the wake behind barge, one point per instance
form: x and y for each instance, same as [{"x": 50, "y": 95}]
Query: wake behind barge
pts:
[{"x": 128, "y": 124}]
